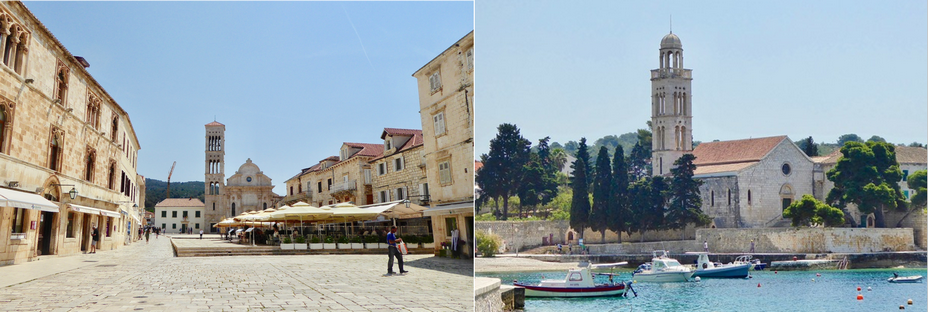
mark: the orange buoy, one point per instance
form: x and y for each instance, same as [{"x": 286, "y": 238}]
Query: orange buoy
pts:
[
  {"x": 774, "y": 272},
  {"x": 860, "y": 297},
  {"x": 901, "y": 307},
  {"x": 858, "y": 288},
  {"x": 910, "y": 301}
]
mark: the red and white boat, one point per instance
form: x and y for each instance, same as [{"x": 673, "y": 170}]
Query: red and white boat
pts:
[{"x": 579, "y": 283}]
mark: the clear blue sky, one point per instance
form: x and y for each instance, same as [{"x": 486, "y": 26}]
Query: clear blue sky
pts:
[
  {"x": 290, "y": 80},
  {"x": 799, "y": 68}
]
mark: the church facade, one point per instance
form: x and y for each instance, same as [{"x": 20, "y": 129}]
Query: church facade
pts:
[
  {"x": 747, "y": 183},
  {"x": 246, "y": 190}
]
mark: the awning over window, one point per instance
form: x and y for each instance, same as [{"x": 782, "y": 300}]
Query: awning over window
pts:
[
  {"x": 17, "y": 199},
  {"x": 96, "y": 211},
  {"x": 455, "y": 208}
]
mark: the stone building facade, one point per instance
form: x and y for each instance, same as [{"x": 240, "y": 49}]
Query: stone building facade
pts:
[
  {"x": 178, "y": 215},
  {"x": 248, "y": 190},
  {"x": 446, "y": 105},
  {"x": 216, "y": 207},
  {"x": 60, "y": 131},
  {"x": 337, "y": 179},
  {"x": 671, "y": 110},
  {"x": 749, "y": 183},
  {"x": 399, "y": 174}
]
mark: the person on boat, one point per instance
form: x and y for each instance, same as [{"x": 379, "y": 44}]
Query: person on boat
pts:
[
  {"x": 895, "y": 275},
  {"x": 392, "y": 251}
]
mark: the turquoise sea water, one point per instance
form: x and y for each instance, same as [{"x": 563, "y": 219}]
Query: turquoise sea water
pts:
[{"x": 781, "y": 291}]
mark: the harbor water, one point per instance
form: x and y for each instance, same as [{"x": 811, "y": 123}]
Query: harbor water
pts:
[{"x": 833, "y": 290}]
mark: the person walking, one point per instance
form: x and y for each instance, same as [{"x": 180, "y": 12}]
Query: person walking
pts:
[
  {"x": 94, "y": 238},
  {"x": 752, "y": 246},
  {"x": 392, "y": 251},
  {"x": 705, "y": 245},
  {"x": 147, "y": 234},
  {"x": 201, "y": 233}
]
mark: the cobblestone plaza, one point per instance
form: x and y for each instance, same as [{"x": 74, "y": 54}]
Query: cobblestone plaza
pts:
[{"x": 147, "y": 277}]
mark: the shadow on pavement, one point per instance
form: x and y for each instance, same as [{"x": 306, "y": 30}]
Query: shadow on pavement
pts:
[{"x": 447, "y": 265}]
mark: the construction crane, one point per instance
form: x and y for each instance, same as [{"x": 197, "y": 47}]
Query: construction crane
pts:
[{"x": 168, "y": 195}]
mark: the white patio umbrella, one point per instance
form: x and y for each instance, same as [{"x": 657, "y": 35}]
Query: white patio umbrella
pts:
[
  {"x": 347, "y": 212},
  {"x": 396, "y": 210},
  {"x": 300, "y": 211}
]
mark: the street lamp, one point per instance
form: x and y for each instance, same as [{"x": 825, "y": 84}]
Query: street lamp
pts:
[{"x": 72, "y": 193}]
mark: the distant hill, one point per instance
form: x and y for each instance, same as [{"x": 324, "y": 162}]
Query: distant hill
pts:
[{"x": 155, "y": 191}]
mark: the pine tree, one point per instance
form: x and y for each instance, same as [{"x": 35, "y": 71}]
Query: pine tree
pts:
[
  {"x": 867, "y": 175},
  {"x": 580, "y": 202},
  {"x": 602, "y": 185},
  {"x": 685, "y": 202},
  {"x": 619, "y": 211},
  {"x": 509, "y": 152}
]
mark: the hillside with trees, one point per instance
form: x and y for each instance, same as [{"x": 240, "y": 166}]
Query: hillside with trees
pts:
[{"x": 155, "y": 191}]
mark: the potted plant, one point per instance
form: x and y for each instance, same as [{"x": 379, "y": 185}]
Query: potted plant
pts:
[
  {"x": 299, "y": 243},
  {"x": 343, "y": 243},
  {"x": 286, "y": 243},
  {"x": 329, "y": 243},
  {"x": 315, "y": 242},
  {"x": 427, "y": 241},
  {"x": 355, "y": 242},
  {"x": 411, "y": 241},
  {"x": 370, "y": 242}
]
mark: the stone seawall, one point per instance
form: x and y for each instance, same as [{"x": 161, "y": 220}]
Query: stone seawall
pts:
[
  {"x": 523, "y": 235},
  {"x": 487, "y": 295},
  {"x": 807, "y": 240}
]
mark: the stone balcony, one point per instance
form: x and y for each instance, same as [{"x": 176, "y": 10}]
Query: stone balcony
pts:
[
  {"x": 304, "y": 197},
  {"x": 347, "y": 186},
  {"x": 672, "y": 73}
]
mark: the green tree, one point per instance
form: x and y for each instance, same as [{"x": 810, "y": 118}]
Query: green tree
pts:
[
  {"x": 810, "y": 211},
  {"x": 808, "y": 146},
  {"x": 850, "y": 137},
  {"x": 571, "y": 147},
  {"x": 638, "y": 161},
  {"x": 916, "y": 144},
  {"x": 509, "y": 152},
  {"x": 649, "y": 204},
  {"x": 488, "y": 180},
  {"x": 685, "y": 203},
  {"x": 866, "y": 175},
  {"x": 580, "y": 203},
  {"x": 876, "y": 138},
  {"x": 602, "y": 185},
  {"x": 558, "y": 158},
  {"x": 619, "y": 202},
  {"x": 917, "y": 183}
]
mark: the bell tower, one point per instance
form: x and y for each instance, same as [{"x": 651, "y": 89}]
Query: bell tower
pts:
[
  {"x": 671, "y": 108},
  {"x": 216, "y": 209}
]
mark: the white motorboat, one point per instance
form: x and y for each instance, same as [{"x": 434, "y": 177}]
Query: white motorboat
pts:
[
  {"x": 662, "y": 269},
  {"x": 905, "y": 279},
  {"x": 578, "y": 283},
  {"x": 706, "y": 268}
]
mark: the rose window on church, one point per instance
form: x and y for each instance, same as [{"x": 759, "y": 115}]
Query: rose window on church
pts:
[
  {"x": 786, "y": 169},
  {"x": 248, "y": 179}
]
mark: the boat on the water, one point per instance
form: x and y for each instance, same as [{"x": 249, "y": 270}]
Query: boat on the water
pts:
[
  {"x": 662, "y": 269},
  {"x": 579, "y": 282},
  {"x": 706, "y": 268},
  {"x": 906, "y": 279}
]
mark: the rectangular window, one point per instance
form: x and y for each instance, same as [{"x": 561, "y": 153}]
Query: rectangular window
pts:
[
  {"x": 164, "y": 213},
  {"x": 451, "y": 224},
  {"x": 330, "y": 183},
  {"x": 444, "y": 172},
  {"x": 398, "y": 164},
  {"x": 309, "y": 187},
  {"x": 383, "y": 197},
  {"x": 400, "y": 195},
  {"x": 382, "y": 168},
  {"x": 173, "y": 225},
  {"x": 786, "y": 203},
  {"x": 439, "y": 121},
  {"x": 906, "y": 193},
  {"x": 197, "y": 214},
  {"x": 70, "y": 229},
  {"x": 470, "y": 59},
  {"x": 388, "y": 143},
  {"x": 109, "y": 220},
  {"x": 198, "y": 225},
  {"x": 173, "y": 214},
  {"x": 367, "y": 176},
  {"x": 185, "y": 213},
  {"x": 320, "y": 187},
  {"x": 424, "y": 190},
  {"x": 435, "y": 82},
  {"x": 164, "y": 226},
  {"x": 18, "y": 215},
  {"x": 905, "y": 175}
]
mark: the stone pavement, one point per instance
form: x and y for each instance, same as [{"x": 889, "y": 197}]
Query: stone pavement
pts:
[{"x": 146, "y": 277}]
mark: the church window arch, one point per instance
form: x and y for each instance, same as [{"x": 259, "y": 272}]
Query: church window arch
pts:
[
  {"x": 786, "y": 195},
  {"x": 6, "y": 126},
  {"x": 214, "y": 206},
  {"x": 89, "y": 164},
  {"x": 115, "y": 127},
  {"x": 62, "y": 74},
  {"x": 233, "y": 210},
  {"x": 749, "y": 197},
  {"x": 729, "y": 197},
  {"x": 54, "y": 150},
  {"x": 712, "y": 198}
]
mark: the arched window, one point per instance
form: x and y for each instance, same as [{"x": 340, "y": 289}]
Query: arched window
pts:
[
  {"x": 88, "y": 165},
  {"x": 115, "y": 127},
  {"x": 749, "y": 197},
  {"x": 54, "y": 153},
  {"x": 214, "y": 206},
  {"x": 265, "y": 205},
  {"x": 233, "y": 209},
  {"x": 4, "y": 121},
  {"x": 61, "y": 83},
  {"x": 8, "y": 50},
  {"x": 111, "y": 176}
]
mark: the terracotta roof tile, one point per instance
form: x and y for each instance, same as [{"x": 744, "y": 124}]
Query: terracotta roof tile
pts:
[
  {"x": 215, "y": 124},
  {"x": 828, "y": 159},
  {"x": 477, "y": 165},
  {"x": 911, "y": 155},
  {"x": 737, "y": 151},
  {"x": 367, "y": 149},
  {"x": 180, "y": 202},
  {"x": 414, "y": 142},
  {"x": 401, "y": 132},
  {"x": 335, "y": 158},
  {"x": 708, "y": 169}
]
